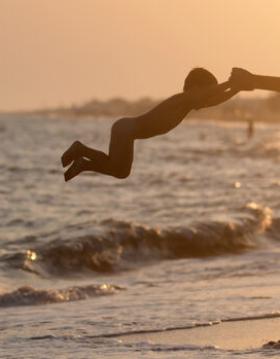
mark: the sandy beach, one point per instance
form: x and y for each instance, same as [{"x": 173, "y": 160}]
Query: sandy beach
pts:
[{"x": 230, "y": 335}]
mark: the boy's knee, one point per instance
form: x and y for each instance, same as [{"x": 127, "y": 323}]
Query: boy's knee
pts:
[{"x": 122, "y": 173}]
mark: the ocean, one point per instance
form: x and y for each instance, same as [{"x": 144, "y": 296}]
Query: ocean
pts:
[{"x": 189, "y": 238}]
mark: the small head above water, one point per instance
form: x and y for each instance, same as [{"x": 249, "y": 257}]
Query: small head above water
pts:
[{"x": 198, "y": 77}]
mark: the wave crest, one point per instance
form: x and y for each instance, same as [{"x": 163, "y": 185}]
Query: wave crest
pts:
[
  {"x": 27, "y": 295},
  {"x": 117, "y": 245}
]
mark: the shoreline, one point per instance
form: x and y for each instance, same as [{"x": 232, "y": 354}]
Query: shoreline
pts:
[{"x": 231, "y": 334}]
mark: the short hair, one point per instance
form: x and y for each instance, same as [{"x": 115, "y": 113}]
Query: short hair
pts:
[{"x": 199, "y": 77}]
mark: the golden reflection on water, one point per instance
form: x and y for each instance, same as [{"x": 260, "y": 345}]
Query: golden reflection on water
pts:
[
  {"x": 237, "y": 184},
  {"x": 31, "y": 255}
]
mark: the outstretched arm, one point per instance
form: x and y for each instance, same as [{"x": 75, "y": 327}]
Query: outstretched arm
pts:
[
  {"x": 245, "y": 80},
  {"x": 179, "y": 105},
  {"x": 215, "y": 95},
  {"x": 223, "y": 97},
  {"x": 224, "y": 93}
]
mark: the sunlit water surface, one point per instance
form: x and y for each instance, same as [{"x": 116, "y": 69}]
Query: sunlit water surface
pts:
[{"x": 191, "y": 236}]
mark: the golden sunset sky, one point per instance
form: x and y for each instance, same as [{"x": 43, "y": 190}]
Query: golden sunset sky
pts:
[{"x": 59, "y": 52}]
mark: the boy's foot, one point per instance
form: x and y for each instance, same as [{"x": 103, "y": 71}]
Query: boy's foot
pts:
[
  {"x": 75, "y": 169},
  {"x": 71, "y": 154}
]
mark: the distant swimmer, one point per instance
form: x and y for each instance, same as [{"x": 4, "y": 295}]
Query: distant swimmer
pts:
[
  {"x": 250, "y": 129},
  {"x": 243, "y": 80},
  {"x": 201, "y": 89}
]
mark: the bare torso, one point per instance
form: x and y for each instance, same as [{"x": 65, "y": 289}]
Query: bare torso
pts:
[{"x": 161, "y": 119}]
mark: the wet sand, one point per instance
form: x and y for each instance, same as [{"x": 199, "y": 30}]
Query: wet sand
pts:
[{"x": 235, "y": 335}]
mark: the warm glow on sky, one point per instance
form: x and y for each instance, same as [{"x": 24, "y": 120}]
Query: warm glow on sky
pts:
[{"x": 55, "y": 52}]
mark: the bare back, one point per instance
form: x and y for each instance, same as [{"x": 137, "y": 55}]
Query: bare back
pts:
[{"x": 163, "y": 118}]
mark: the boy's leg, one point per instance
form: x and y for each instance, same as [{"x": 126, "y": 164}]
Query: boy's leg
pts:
[
  {"x": 121, "y": 148},
  {"x": 71, "y": 153},
  {"x": 117, "y": 163},
  {"x": 76, "y": 168},
  {"x": 77, "y": 150}
]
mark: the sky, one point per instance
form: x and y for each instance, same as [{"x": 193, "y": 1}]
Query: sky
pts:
[{"x": 63, "y": 52}]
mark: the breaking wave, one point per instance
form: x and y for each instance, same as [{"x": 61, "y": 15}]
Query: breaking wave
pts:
[
  {"x": 115, "y": 245},
  {"x": 29, "y": 296}
]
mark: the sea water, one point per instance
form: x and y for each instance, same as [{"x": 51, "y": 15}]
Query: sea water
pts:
[{"x": 190, "y": 237}]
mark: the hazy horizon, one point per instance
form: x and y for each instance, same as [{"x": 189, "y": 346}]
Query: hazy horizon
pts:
[{"x": 55, "y": 53}]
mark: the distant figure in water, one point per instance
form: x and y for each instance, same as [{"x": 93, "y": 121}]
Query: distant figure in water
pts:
[
  {"x": 250, "y": 129},
  {"x": 201, "y": 89},
  {"x": 243, "y": 80}
]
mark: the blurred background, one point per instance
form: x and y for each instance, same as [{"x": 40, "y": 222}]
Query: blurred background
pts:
[
  {"x": 60, "y": 53},
  {"x": 192, "y": 235}
]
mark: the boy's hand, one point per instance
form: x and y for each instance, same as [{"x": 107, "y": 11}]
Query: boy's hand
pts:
[{"x": 242, "y": 79}]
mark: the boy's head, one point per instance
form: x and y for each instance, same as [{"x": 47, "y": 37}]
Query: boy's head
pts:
[{"x": 198, "y": 77}]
